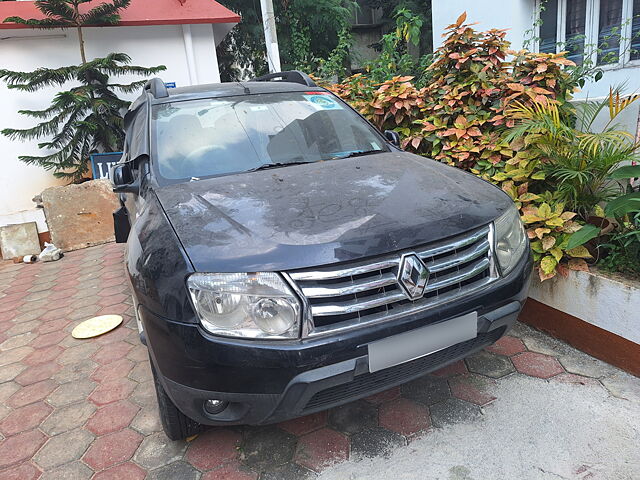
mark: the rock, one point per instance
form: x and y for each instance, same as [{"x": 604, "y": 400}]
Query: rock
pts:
[
  {"x": 81, "y": 215},
  {"x": 19, "y": 240}
]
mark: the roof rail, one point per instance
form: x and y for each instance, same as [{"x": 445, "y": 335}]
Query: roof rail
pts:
[
  {"x": 157, "y": 88},
  {"x": 294, "y": 76}
]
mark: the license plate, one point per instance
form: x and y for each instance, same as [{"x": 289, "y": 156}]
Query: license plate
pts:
[{"x": 422, "y": 341}]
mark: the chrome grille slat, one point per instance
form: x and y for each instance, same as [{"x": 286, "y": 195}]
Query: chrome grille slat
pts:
[
  {"x": 346, "y": 296},
  {"x": 458, "y": 258},
  {"x": 346, "y": 288},
  {"x": 357, "y": 305}
]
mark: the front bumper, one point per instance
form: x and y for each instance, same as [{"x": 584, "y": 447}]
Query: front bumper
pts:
[{"x": 270, "y": 382}]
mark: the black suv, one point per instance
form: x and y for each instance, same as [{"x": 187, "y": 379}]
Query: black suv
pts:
[{"x": 286, "y": 257}]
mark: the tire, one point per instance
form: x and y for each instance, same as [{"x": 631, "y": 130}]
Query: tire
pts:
[{"x": 176, "y": 425}]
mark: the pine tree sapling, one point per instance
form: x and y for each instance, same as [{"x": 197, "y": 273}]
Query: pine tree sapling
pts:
[{"x": 87, "y": 117}]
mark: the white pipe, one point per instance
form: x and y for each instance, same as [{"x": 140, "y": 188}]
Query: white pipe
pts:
[
  {"x": 191, "y": 58},
  {"x": 270, "y": 35}
]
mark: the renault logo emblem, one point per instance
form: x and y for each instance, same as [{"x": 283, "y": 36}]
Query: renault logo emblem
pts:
[{"x": 413, "y": 276}]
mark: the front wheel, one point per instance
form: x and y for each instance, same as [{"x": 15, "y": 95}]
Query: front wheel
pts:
[{"x": 176, "y": 425}]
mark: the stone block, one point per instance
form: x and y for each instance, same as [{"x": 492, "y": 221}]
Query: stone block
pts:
[
  {"x": 81, "y": 215},
  {"x": 19, "y": 240}
]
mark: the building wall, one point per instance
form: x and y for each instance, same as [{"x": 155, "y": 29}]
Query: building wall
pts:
[
  {"x": 147, "y": 46},
  {"x": 514, "y": 15}
]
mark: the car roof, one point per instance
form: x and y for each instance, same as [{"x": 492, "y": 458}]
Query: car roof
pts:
[{"x": 230, "y": 89}]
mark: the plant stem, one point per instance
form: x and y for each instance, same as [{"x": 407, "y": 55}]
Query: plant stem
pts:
[{"x": 81, "y": 39}]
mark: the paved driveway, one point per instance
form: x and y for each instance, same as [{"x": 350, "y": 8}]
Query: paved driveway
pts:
[{"x": 529, "y": 407}]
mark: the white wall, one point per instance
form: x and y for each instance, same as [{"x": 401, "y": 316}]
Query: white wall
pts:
[
  {"x": 147, "y": 46},
  {"x": 515, "y": 15}
]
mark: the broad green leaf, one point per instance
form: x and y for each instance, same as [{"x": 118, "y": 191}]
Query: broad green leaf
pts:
[
  {"x": 623, "y": 205},
  {"x": 630, "y": 171},
  {"x": 557, "y": 253},
  {"x": 582, "y": 236}
]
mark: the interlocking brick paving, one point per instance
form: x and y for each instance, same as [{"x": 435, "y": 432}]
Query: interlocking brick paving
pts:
[{"x": 86, "y": 408}]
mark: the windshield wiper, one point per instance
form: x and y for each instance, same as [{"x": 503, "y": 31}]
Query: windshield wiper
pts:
[
  {"x": 267, "y": 166},
  {"x": 357, "y": 153}
]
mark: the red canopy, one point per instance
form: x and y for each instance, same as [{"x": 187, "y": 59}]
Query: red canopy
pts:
[{"x": 140, "y": 12}]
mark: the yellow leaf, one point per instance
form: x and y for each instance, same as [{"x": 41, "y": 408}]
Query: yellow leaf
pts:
[
  {"x": 541, "y": 232},
  {"x": 548, "y": 264},
  {"x": 557, "y": 253},
  {"x": 544, "y": 211},
  {"x": 548, "y": 242},
  {"x": 579, "y": 252}
]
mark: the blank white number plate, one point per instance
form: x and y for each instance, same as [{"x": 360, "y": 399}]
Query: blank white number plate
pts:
[{"x": 422, "y": 341}]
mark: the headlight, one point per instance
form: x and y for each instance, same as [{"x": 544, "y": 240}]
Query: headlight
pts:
[
  {"x": 511, "y": 240},
  {"x": 248, "y": 305}
]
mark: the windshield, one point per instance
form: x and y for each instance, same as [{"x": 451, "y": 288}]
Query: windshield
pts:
[{"x": 202, "y": 138}]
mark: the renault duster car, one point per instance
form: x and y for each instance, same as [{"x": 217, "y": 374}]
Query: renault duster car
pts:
[{"x": 286, "y": 257}]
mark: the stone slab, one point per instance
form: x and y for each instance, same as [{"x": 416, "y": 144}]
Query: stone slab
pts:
[
  {"x": 19, "y": 240},
  {"x": 81, "y": 215}
]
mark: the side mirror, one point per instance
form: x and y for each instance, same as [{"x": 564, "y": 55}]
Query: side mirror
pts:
[
  {"x": 123, "y": 179},
  {"x": 393, "y": 137}
]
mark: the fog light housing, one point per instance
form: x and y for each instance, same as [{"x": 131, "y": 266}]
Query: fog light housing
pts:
[{"x": 214, "y": 406}]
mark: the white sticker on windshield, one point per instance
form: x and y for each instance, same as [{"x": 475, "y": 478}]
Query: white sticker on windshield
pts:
[
  {"x": 323, "y": 102},
  {"x": 259, "y": 108}
]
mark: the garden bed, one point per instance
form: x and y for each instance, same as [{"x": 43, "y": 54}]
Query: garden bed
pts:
[{"x": 594, "y": 311}]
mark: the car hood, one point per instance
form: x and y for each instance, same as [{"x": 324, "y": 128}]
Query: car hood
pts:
[{"x": 321, "y": 213}]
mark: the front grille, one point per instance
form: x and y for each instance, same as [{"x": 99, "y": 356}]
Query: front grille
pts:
[
  {"x": 363, "y": 292},
  {"x": 369, "y": 383}
]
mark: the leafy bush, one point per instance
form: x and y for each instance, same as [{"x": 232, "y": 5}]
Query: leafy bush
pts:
[{"x": 460, "y": 118}]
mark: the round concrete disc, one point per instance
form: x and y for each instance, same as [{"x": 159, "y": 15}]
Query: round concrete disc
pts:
[{"x": 96, "y": 326}]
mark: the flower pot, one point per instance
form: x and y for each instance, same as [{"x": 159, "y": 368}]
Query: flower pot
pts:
[{"x": 606, "y": 227}]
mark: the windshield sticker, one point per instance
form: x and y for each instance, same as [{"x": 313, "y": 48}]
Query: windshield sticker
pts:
[{"x": 323, "y": 102}]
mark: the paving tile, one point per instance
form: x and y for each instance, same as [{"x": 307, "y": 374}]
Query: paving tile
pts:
[
  {"x": 112, "y": 449},
  {"x": 24, "y": 471},
  {"x": 508, "y": 346},
  {"x": 147, "y": 421},
  {"x": 145, "y": 394},
  {"x": 81, "y": 352},
  {"x": 71, "y": 392},
  {"x": 157, "y": 451},
  {"x": 31, "y": 393},
  {"x": 75, "y": 371},
  {"x": 124, "y": 471},
  {"x": 453, "y": 411},
  {"x": 213, "y": 448},
  {"x": 266, "y": 447},
  {"x": 141, "y": 373},
  {"x": 230, "y": 471},
  {"x": 112, "y": 417},
  {"x": 24, "y": 418},
  {"x": 404, "y": 416},
  {"x": 537, "y": 365},
  {"x": 17, "y": 341},
  {"x": 117, "y": 335},
  {"x": 55, "y": 325},
  {"x": 309, "y": 423},
  {"x": 7, "y": 389},
  {"x": 321, "y": 449},
  {"x": 582, "y": 364},
  {"x": 472, "y": 388},
  {"x": 374, "y": 442},
  {"x": 48, "y": 339},
  {"x": 575, "y": 379},
  {"x": 489, "y": 364},
  {"x": 177, "y": 470},
  {"x": 14, "y": 355},
  {"x": 64, "y": 448},
  {"x": 385, "y": 396},
  {"x": 111, "y": 353},
  {"x": 20, "y": 447},
  {"x": 139, "y": 353},
  {"x": 456, "y": 368},
  {"x": 11, "y": 371},
  {"x": 37, "y": 373},
  {"x": 71, "y": 471},
  {"x": 67, "y": 418},
  {"x": 623, "y": 385},
  {"x": 43, "y": 355},
  {"x": 112, "y": 391},
  {"x": 290, "y": 471},
  {"x": 112, "y": 371},
  {"x": 353, "y": 417},
  {"x": 426, "y": 390}
]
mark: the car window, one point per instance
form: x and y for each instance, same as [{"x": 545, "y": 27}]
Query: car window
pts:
[{"x": 201, "y": 138}]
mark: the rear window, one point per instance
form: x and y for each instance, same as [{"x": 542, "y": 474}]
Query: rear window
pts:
[{"x": 202, "y": 138}]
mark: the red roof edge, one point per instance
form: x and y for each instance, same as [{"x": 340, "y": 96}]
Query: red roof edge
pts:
[{"x": 164, "y": 12}]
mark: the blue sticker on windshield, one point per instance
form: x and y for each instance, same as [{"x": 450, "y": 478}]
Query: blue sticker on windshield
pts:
[{"x": 323, "y": 102}]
